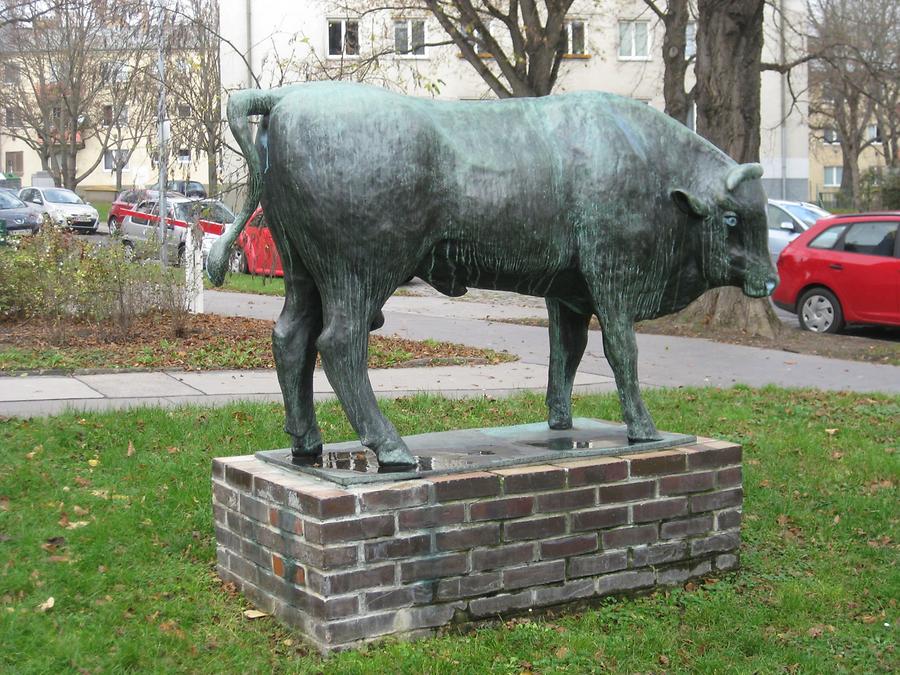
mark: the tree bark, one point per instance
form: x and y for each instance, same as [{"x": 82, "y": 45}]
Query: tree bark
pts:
[
  {"x": 675, "y": 20},
  {"x": 728, "y": 70}
]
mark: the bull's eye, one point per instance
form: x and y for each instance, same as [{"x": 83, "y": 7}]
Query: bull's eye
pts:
[{"x": 730, "y": 219}]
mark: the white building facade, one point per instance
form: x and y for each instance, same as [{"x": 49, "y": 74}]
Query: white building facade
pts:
[{"x": 612, "y": 45}]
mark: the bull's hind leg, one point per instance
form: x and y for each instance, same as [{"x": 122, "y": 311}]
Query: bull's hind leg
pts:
[
  {"x": 294, "y": 348},
  {"x": 568, "y": 338},
  {"x": 620, "y": 349},
  {"x": 344, "y": 346}
]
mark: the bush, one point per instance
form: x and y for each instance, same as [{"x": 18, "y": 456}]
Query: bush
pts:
[
  {"x": 890, "y": 190},
  {"x": 58, "y": 277}
]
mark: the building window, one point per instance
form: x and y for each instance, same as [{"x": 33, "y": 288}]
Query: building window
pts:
[
  {"x": 831, "y": 137},
  {"x": 116, "y": 158},
  {"x": 833, "y": 176},
  {"x": 634, "y": 40},
  {"x": 184, "y": 156},
  {"x": 15, "y": 162},
  {"x": 409, "y": 37},
  {"x": 873, "y": 134},
  {"x": 109, "y": 119},
  {"x": 477, "y": 38},
  {"x": 573, "y": 38},
  {"x": 343, "y": 37},
  {"x": 13, "y": 118},
  {"x": 10, "y": 73},
  {"x": 690, "y": 39}
]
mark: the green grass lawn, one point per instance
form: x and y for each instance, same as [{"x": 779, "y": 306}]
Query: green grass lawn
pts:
[
  {"x": 122, "y": 540},
  {"x": 102, "y": 209},
  {"x": 250, "y": 283}
]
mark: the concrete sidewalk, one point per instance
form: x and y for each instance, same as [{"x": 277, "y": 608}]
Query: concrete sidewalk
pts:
[{"x": 664, "y": 361}]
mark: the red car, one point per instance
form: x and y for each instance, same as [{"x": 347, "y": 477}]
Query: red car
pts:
[
  {"x": 843, "y": 270},
  {"x": 255, "y": 251}
]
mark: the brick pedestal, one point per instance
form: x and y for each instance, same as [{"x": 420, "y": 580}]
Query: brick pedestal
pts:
[{"x": 346, "y": 565}]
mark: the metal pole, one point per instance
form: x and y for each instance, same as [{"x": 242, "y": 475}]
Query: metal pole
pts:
[{"x": 161, "y": 122}]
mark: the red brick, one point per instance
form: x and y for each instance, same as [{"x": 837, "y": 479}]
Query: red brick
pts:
[
  {"x": 449, "y": 565},
  {"x": 629, "y": 536},
  {"x": 659, "y": 554},
  {"x": 566, "y": 500},
  {"x": 712, "y": 501},
  {"x": 468, "y": 537},
  {"x": 659, "y": 509},
  {"x": 267, "y": 489},
  {"x": 357, "y": 529},
  {"x": 397, "y": 548},
  {"x": 277, "y": 565},
  {"x": 496, "y": 509},
  {"x": 431, "y": 516},
  {"x": 702, "y": 456},
  {"x": 325, "y": 558},
  {"x": 465, "y": 486},
  {"x": 285, "y": 520},
  {"x": 656, "y": 463},
  {"x": 238, "y": 478},
  {"x": 726, "y": 542},
  {"x": 727, "y": 520},
  {"x": 502, "y": 556},
  {"x": 731, "y": 477},
  {"x": 394, "y": 497},
  {"x": 322, "y": 503},
  {"x": 534, "y": 575},
  {"x": 688, "y": 527},
  {"x": 568, "y": 546},
  {"x": 595, "y": 471},
  {"x": 688, "y": 482},
  {"x": 532, "y": 478},
  {"x": 468, "y": 586},
  {"x": 597, "y": 519},
  {"x": 626, "y": 492},
  {"x": 225, "y": 496},
  {"x": 537, "y": 528}
]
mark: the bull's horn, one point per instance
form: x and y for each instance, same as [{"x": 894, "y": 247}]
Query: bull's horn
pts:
[{"x": 742, "y": 172}]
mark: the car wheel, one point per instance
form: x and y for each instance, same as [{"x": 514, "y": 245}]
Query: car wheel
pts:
[
  {"x": 128, "y": 251},
  {"x": 113, "y": 225},
  {"x": 237, "y": 261},
  {"x": 820, "y": 312}
]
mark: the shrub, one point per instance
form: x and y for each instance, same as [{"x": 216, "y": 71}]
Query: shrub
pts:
[
  {"x": 890, "y": 190},
  {"x": 58, "y": 277}
]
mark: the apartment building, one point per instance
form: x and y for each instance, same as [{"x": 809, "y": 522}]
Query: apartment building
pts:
[{"x": 612, "y": 45}]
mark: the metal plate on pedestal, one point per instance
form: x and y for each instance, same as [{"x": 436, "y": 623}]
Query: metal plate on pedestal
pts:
[{"x": 465, "y": 450}]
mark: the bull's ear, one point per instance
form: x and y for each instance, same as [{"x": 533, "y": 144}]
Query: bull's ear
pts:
[
  {"x": 742, "y": 172},
  {"x": 690, "y": 204}
]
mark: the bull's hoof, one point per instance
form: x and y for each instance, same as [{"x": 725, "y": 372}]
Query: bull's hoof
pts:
[
  {"x": 559, "y": 421},
  {"x": 306, "y": 450},
  {"x": 643, "y": 433},
  {"x": 395, "y": 455}
]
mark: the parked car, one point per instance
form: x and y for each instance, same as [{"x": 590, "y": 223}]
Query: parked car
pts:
[
  {"x": 142, "y": 223},
  {"x": 18, "y": 216},
  {"x": 64, "y": 207},
  {"x": 189, "y": 188},
  {"x": 254, "y": 252},
  {"x": 126, "y": 201},
  {"x": 787, "y": 220},
  {"x": 843, "y": 270}
]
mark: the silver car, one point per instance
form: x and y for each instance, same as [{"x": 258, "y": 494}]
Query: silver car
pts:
[
  {"x": 64, "y": 207},
  {"x": 787, "y": 220}
]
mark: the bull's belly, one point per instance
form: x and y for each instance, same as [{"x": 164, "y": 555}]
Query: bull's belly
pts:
[{"x": 452, "y": 268}]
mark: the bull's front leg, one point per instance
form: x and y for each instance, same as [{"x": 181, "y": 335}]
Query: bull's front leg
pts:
[
  {"x": 568, "y": 338},
  {"x": 620, "y": 349}
]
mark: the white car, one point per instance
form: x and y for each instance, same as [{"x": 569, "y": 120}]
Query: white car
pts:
[
  {"x": 64, "y": 207},
  {"x": 788, "y": 220}
]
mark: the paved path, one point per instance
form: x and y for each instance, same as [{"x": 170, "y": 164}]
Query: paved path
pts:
[{"x": 664, "y": 361}]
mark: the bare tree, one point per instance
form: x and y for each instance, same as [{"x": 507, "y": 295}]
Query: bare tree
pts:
[
  {"x": 58, "y": 85},
  {"x": 675, "y": 18},
  {"x": 855, "y": 83}
]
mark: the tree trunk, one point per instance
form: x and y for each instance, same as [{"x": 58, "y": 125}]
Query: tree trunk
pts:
[
  {"x": 212, "y": 168},
  {"x": 728, "y": 67},
  {"x": 675, "y": 21}
]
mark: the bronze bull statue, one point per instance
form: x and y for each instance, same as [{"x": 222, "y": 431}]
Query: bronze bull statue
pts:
[{"x": 598, "y": 203}]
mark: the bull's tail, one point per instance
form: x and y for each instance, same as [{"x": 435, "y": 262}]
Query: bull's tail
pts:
[{"x": 241, "y": 104}]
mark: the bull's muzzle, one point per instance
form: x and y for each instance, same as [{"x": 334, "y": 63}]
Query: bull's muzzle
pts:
[{"x": 760, "y": 286}]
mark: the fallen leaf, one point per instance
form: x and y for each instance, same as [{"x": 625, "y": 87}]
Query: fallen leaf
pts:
[
  {"x": 80, "y": 511},
  {"x": 837, "y": 454},
  {"x": 562, "y": 652},
  {"x": 831, "y": 432},
  {"x": 815, "y": 631},
  {"x": 254, "y": 614},
  {"x": 93, "y": 462},
  {"x": 47, "y": 604},
  {"x": 58, "y": 558},
  {"x": 130, "y": 450},
  {"x": 169, "y": 626},
  {"x": 63, "y": 520},
  {"x": 868, "y": 618},
  {"x": 81, "y": 482},
  {"x": 172, "y": 450},
  {"x": 4, "y": 503},
  {"x": 76, "y": 524},
  {"x": 663, "y": 660}
]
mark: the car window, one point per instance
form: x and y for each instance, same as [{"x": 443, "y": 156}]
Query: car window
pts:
[
  {"x": 7, "y": 201},
  {"x": 871, "y": 239},
  {"x": 194, "y": 185},
  {"x": 61, "y": 196},
  {"x": 777, "y": 216},
  {"x": 27, "y": 195},
  {"x": 828, "y": 238},
  {"x": 807, "y": 214},
  {"x": 143, "y": 207}
]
